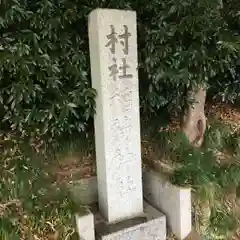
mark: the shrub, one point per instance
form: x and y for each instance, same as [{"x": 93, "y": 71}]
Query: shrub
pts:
[
  {"x": 44, "y": 67},
  {"x": 186, "y": 43},
  {"x": 44, "y": 64}
]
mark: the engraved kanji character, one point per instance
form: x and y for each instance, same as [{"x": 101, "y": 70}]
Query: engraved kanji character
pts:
[
  {"x": 113, "y": 69},
  {"x": 112, "y": 40},
  {"x": 124, "y": 70},
  {"x": 125, "y": 37}
]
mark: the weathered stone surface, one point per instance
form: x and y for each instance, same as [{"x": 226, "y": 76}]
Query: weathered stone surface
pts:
[
  {"x": 85, "y": 226},
  {"x": 154, "y": 195},
  {"x": 84, "y": 191},
  {"x": 149, "y": 226},
  {"x": 173, "y": 201},
  {"x": 113, "y": 53}
]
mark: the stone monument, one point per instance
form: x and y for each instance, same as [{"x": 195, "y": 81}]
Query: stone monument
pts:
[{"x": 113, "y": 52}]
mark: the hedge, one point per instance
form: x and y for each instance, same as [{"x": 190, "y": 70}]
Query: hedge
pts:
[{"x": 45, "y": 68}]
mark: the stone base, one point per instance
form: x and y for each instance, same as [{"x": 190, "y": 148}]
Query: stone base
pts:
[
  {"x": 173, "y": 201},
  {"x": 151, "y": 225},
  {"x": 85, "y": 226}
]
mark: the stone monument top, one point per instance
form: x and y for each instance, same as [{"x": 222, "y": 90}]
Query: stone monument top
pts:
[{"x": 113, "y": 54}]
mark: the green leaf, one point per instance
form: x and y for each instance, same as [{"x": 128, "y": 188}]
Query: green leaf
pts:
[{"x": 72, "y": 105}]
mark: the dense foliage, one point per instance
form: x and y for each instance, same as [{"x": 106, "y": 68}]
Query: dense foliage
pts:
[
  {"x": 44, "y": 64},
  {"x": 44, "y": 67},
  {"x": 185, "y": 43}
]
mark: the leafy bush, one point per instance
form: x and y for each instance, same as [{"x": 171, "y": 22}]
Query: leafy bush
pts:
[
  {"x": 44, "y": 64},
  {"x": 185, "y": 43}
]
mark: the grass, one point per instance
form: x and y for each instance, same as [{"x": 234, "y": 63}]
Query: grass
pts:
[
  {"x": 32, "y": 206},
  {"x": 76, "y": 145},
  {"x": 209, "y": 171}
]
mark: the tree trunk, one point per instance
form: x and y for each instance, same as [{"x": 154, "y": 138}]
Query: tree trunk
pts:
[{"x": 194, "y": 120}]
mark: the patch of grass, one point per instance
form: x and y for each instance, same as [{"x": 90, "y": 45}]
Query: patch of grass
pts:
[
  {"x": 234, "y": 143},
  {"x": 31, "y": 205},
  {"x": 164, "y": 146},
  {"x": 208, "y": 178},
  {"x": 76, "y": 149},
  {"x": 221, "y": 223},
  {"x": 216, "y": 136},
  {"x": 220, "y": 137},
  {"x": 204, "y": 172},
  {"x": 197, "y": 172}
]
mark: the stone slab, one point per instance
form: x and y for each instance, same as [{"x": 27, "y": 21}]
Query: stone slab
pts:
[
  {"x": 85, "y": 226},
  {"x": 148, "y": 226},
  {"x": 84, "y": 191},
  {"x": 114, "y": 73},
  {"x": 88, "y": 191},
  {"x": 173, "y": 201}
]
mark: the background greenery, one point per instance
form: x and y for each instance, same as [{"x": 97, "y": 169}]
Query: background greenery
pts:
[{"x": 44, "y": 58}]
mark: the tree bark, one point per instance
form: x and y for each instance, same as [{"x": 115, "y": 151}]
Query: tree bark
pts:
[{"x": 194, "y": 120}]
